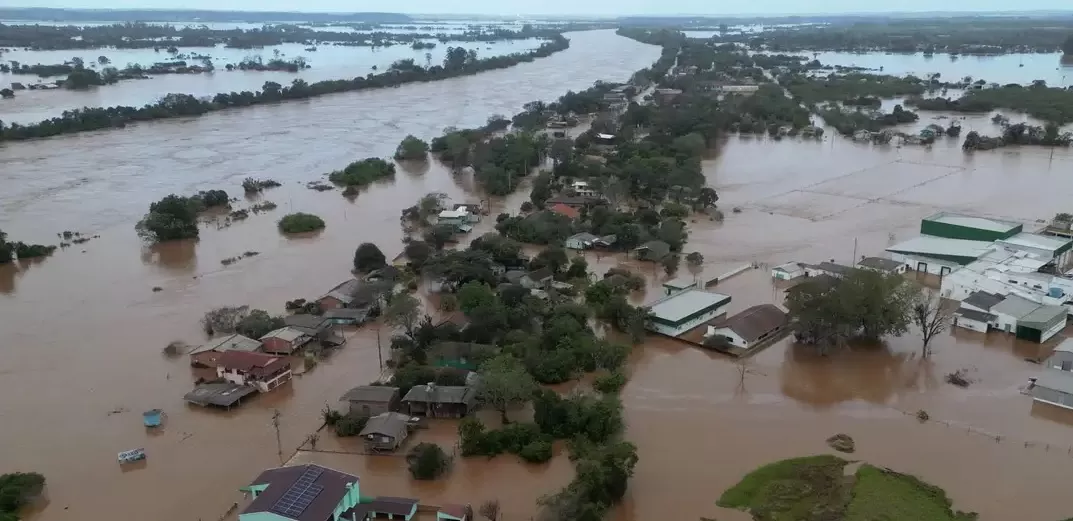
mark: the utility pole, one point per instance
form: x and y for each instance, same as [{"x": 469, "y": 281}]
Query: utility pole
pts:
[
  {"x": 853, "y": 261},
  {"x": 379, "y": 355},
  {"x": 279, "y": 442}
]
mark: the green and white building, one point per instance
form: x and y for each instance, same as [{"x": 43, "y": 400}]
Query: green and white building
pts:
[{"x": 679, "y": 312}]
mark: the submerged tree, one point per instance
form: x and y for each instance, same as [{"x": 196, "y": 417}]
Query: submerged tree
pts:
[
  {"x": 505, "y": 382},
  {"x": 931, "y": 317}
]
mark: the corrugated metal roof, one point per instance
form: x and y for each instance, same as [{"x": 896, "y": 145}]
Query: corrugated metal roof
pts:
[
  {"x": 233, "y": 342},
  {"x": 1037, "y": 241},
  {"x": 970, "y": 221},
  {"x": 1015, "y": 306},
  {"x": 678, "y": 306},
  {"x": 931, "y": 246},
  {"x": 287, "y": 334},
  {"x": 1061, "y": 381},
  {"x": 1043, "y": 315}
]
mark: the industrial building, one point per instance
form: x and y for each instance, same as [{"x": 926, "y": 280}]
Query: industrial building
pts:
[{"x": 679, "y": 312}]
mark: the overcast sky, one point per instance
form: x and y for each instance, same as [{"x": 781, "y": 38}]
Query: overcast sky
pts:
[{"x": 566, "y": 7}]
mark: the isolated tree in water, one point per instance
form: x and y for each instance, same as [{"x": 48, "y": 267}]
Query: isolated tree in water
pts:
[{"x": 368, "y": 257}]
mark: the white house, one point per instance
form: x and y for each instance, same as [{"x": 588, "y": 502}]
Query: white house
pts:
[
  {"x": 881, "y": 265},
  {"x": 679, "y": 312},
  {"x": 753, "y": 326},
  {"x": 456, "y": 217},
  {"x": 581, "y": 241},
  {"x": 583, "y": 188},
  {"x": 258, "y": 370},
  {"x": 826, "y": 268},
  {"x": 788, "y": 271}
]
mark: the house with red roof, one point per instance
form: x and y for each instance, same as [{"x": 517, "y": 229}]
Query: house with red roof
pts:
[
  {"x": 563, "y": 209},
  {"x": 258, "y": 370}
]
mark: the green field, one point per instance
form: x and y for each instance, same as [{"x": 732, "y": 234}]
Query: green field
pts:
[{"x": 816, "y": 488}]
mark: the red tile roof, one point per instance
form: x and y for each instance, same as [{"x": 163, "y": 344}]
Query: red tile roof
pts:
[
  {"x": 257, "y": 364},
  {"x": 563, "y": 209}
]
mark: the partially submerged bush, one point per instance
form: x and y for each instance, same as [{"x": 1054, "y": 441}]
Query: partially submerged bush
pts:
[
  {"x": 300, "y": 223},
  {"x": 428, "y": 461},
  {"x": 349, "y": 424},
  {"x": 841, "y": 443}
]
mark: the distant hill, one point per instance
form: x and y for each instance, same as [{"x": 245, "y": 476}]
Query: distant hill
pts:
[{"x": 169, "y": 15}]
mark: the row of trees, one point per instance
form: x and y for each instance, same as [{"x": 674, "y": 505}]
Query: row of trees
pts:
[
  {"x": 181, "y": 105},
  {"x": 1050, "y": 104},
  {"x": 146, "y": 36},
  {"x": 18, "y": 249}
]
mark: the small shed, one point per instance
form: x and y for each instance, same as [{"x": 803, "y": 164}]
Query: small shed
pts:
[
  {"x": 679, "y": 284},
  {"x": 440, "y": 401},
  {"x": 385, "y": 431},
  {"x": 369, "y": 400}
]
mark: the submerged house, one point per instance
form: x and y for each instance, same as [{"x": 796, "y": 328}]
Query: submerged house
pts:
[
  {"x": 881, "y": 265},
  {"x": 370, "y": 400},
  {"x": 284, "y": 340},
  {"x": 751, "y": 327},
  {"x": 788, "y": 271},
  {"x": 653, "y": 251},
  {"x": 581, "y": 241},
  {"x": 1028, "y": 320},
  {"x": 385, "y": 431},
  {"x": 207, "y": 355},
  {"x": 440, "y": 401},
  {"x": 303, "y": 493},
  {"x": 258, "y": 370}
]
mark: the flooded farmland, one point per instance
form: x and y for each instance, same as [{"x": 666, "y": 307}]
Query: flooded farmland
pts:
[{"x": 81, "y": 333}]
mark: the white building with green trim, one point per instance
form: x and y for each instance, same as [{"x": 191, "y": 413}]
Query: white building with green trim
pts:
[{"x": 679, "y": 312}]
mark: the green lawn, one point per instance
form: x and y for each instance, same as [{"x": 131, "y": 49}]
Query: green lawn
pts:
[
  {"x": 881, "y": 495},
  {"x": 798, "y": 489},
  {"x": 814, "y": 488}
]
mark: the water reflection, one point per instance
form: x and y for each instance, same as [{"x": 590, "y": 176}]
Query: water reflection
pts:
[
  {"x": 7, "y": 277},
  {"x": 873, "y": 374},
  {"x": 176, "y": 257},
  {"x": 414, "y": 167}
]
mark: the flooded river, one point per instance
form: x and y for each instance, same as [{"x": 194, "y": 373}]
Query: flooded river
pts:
[
  {"x": 328, "y": 62},
  {"x": 81, "y": 333}
]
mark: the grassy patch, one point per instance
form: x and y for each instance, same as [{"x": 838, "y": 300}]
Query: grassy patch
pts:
[
  {"x": 799, "y": 489},
  {"x": 815, "y": 488},
  {"x": 881, "y": 495}
]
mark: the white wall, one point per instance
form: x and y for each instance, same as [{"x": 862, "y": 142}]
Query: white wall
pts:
[
  {"x": 934, "y": 266},
  {"x": 970, "y": 324},
  {"x": 731, "y": 336},
  {"x": 1004, "y": 321},
  {"x": 1052, "y": 331}
]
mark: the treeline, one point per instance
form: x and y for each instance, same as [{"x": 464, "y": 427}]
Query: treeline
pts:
[
  {"x": 973, "y": 36},
  {"x": 139, "y": 35},
  {"x": 182, "y": 105},
  {"x": 848, "y": 121},
  {"x": 852, "y": 88},
  {"x": 11, "y": 250},
  {"x": 1051, "y": 104}
]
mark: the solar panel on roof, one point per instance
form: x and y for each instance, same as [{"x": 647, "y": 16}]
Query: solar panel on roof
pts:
[{"x": 300, "y": 495}]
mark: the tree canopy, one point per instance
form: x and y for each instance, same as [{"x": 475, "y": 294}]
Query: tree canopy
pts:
[
  {"x": 828, "y": 312},
  {"x": 368, "y": 257},
  {"x": 411, "y": 148},
  {"x": 363, "y": 172},
  {"x": 300, "y": 222},
  {"x": 504, "y": 383}
]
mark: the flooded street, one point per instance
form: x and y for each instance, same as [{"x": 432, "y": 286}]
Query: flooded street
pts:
[{"x": 82, "y": 333}]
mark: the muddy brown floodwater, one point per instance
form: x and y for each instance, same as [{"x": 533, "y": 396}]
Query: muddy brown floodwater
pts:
[{"x": 81, "y": 333}]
